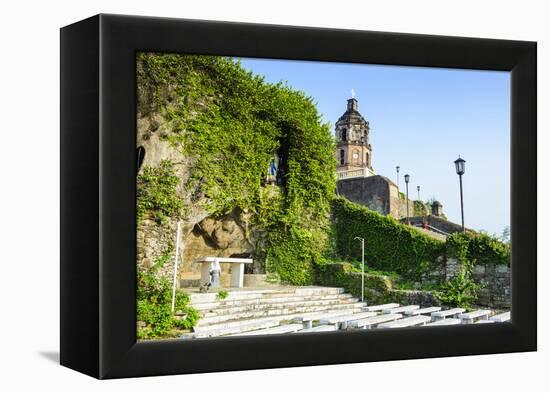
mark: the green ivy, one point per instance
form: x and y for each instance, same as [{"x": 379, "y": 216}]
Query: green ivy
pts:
[
  {"x": 156, "y": 192},
  {"x": 389, "y": 245},
  {"x": 231, "y": 123},
  {"x": 478, "y": 246}
]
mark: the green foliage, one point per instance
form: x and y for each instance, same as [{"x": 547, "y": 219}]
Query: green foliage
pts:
[
  {"x": 481, "y": 247},
  {"x": 461, "y": 290},
  {"x": 222, "y": 295},
  {"x": 420, "y": 208},
  {"x": 154, "y": 301},
  {"x": 389, "y": 245},
  {"x": 156, "y": 193},
  {"x": 231, "y": 123}
]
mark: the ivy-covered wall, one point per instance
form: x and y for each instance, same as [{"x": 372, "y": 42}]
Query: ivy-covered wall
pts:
[
  {"x": 389, "y": 245},
  {"x": 226, "y": 124}
]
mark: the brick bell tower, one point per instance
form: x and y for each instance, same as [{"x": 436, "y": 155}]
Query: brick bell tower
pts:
[{"x": 353, "y": 152}]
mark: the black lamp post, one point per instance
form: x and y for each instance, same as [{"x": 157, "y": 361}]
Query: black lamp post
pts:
[
  {"x": 407, "y": 178},
  {"x": 460, "y": 169},
  {"x": 397, "y": 170}
]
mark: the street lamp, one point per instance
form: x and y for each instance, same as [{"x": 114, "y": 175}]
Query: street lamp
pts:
[
  {"x": 362, "y": 267},
  {"x": 460, "y": 169},
  {"x": 407, "y": 178},
  {"x": 397, "y": 170},
  {"x": 418, "y": 189}
]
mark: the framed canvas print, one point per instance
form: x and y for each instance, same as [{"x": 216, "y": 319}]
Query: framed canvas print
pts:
[{"x": 240, "y": 196}]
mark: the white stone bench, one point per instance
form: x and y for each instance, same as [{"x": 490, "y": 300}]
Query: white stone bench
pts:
[
  {"x": 320, "y": 328},
  {"x": 406, "y": 322},
  {"x": 471, "y": 317},
  {"x": 292, "y": 328},
  {"x": 400, "y": 309},
  {"x": 381, "y": 307},
  {"x": 504, "y": 317},
  {"x": 420, "y": 311},
  {"x": 307, "y": 319},
  {"x": 342, "y": 320},
  {"x": 453, "y": 313},
  {"x": 480, "y": 321},
  {"x": 444, "y": 322},
  {"x": 368, "y": 323},
  {"x": 237, "y": 270}
]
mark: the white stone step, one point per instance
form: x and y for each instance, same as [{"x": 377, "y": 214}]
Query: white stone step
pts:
[
  {"x": 234, "y": 329},
  {"x": 420, "y": 311},
  {"x": 292, "y": 328},
  {"x": 453, "y": 312},
  {"x": 480, "y": 321},
  {"x": 368, "y": 323},
  {"x": 320, "y": 328},
  {"x": 403, "y": 309},
  {"x": 381, "y": 307},
  {"x": 272, "y": 306},
  {"x": 444, "y": 322},
  {"x": 471, "y": 317},
  {"x": 267, "y": 293},
  {"x": 504, "y": 317},
  {"x": 274, "y": 300},
  {"x": 284, "y": 313},
  {"x": 405, "y": 322}
]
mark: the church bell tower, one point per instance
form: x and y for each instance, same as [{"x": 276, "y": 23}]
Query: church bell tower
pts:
[{"x": 353, "y": 152}]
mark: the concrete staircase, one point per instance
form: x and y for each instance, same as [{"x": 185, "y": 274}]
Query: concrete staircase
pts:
[{"x": 246, "y": 310}]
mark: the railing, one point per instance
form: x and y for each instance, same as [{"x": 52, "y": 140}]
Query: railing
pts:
[{"x": 353, "y": 173}]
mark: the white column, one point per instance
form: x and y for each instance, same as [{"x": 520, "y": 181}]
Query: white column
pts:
[{"x": 237, "y": 275}]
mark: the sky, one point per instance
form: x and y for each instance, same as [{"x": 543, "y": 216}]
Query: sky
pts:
[{"x": 422, "y": 119}]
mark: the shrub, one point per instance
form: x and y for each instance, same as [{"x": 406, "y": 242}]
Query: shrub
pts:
[
  {"x": 154, "y": 303},
  {"x": 461, "y": 290}
]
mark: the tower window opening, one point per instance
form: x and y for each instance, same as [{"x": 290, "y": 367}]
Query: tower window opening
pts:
[
  {"x": 344, "y": 135},
  {"x": 342, "y": 157}
]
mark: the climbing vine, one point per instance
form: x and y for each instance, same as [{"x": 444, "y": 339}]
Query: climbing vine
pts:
[
  {"x": 389, "y": 245},
  {"x": 232, "y": 123},
  {"x": 156, "y": 193}
]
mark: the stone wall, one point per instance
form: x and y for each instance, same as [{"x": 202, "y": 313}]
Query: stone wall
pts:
[
  {"x": 377, "y": 192},
  {"x": 496, "y": 280}
]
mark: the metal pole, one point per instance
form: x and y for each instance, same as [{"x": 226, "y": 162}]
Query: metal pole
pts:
[
  {"x": 461, "y": 203},
  {"x": 407, "y": 202},
  {"x": 176, "y": 265}
]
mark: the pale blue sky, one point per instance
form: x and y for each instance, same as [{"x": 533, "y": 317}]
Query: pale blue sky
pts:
[{"x": 421, "y": 119}]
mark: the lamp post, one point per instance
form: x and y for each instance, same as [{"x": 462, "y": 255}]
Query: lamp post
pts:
[
  {"x": 460, "y": 166},
  {"x": 418, "y": 189},
  {"x": 407, "y": 178},
  {"x": 397, "y": 170},
  {"x": 362, "y": 240}
]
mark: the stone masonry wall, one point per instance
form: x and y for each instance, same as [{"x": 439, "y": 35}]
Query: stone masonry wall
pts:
[{"x": 496, "y": 280}]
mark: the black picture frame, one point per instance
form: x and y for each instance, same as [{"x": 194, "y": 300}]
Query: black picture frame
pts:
[{"x": 98, "y": 220}]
